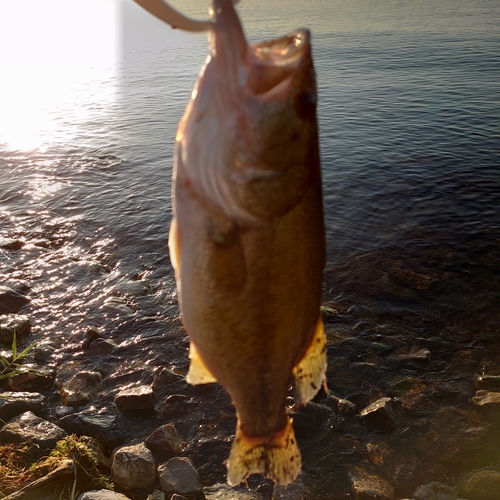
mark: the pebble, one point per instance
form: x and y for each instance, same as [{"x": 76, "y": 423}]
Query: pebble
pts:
[
  {"x": 81, "y": 388},
  {"x": 226, "y": 492},
  {"x": 487, "y": 382},
  {"x": 11, "y": 300},
  {"x": 178, "y": 475},
  {"x": 484, "y": 397},
  {"x": 165, "y": 440},
  {"x": 29, "y": 427},
  {"x": 434, "y": 490},
  {"x": 11, "y": 323},
  {"x": 159, "y": 495},
  {"x": 31, "y": 378},
  {"x": 481, "y": 484},
  {"x": 11, "y": 243},
  {"x": 368, "y": 486},
  {"x": 380, "y": 416},
  {"x": 15, "y": 403},
  {"x": 133, "y": 467},
  {"x": 102, "y": 495},
  {"x": 135, "y": 398},
  {"x": 100, "y": 347}
]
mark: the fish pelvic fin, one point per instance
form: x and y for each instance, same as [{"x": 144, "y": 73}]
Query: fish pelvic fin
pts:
[
  {"x": 198, "y": 373},
  {"x": 309, "y": 373},
  {"x": 174, "y": 246},
  {"x": 276, "y": 456}
]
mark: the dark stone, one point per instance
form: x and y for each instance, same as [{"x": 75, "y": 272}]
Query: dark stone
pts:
[
  {"x": 226, "y": 492},
  {"x": 11, "y": 323},
  {"x": 487, "y": 398},
  {"x": 380, "y": 416},
  {"x": 165, "y": 441},
  {"x": 31, "y": 378},
  {"x": 341, "y": 406},
  {"x": 135, "y": 398},
  {"x": 15, "y": 403},
  {"x": 11, "y": 244},
  {"x": 102, "y": 495},
  {"x": 178, "y": 405},
  {"x": 434, "y": 491},
  {"x": 487, "y": 382},
  {"x": 100, "y": 347},
  {"x": 11, "y": 301},
  {"x": 102, "y": 425},
  {"x": 80, "y": 389},
  {"x": 29, "y": 427},
  {"x": 133, "y": 467},
  {"x": 368, "y": 486},
  {"x": 311, "y": 416}
]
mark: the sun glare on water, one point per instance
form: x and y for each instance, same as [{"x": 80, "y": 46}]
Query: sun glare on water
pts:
[{"x": 53, "y": 57}]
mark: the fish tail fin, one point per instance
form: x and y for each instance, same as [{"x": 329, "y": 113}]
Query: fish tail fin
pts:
[
  {"x": 309, "y": 374},
  {"x": 276, "y": 456}
]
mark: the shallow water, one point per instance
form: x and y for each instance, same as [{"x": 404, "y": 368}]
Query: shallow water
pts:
[{"x": 409, "y": 107}]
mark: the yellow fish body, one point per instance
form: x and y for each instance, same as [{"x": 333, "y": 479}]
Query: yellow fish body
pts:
[{"x": 247, "y": 239}]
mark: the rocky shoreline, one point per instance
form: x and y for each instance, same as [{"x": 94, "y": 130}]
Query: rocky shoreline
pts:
[{"x": 413, "y": 409}]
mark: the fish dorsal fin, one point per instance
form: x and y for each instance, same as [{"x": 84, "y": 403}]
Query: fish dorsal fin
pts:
[
  {"x": 198, "y": 373},
  {"x": 309, "y": 373},
  {"x": 276, "y": 456}
]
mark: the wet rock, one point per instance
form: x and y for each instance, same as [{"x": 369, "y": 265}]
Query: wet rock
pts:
[
  {"x": 295, "y": 491},
  {"x": 41, "y": 488},
  {"x": 11, "y": 323},
  {"x": 31, "y": 378},
  {"x": 178, "y": 405},
  {"x": 80, "y": 389},
  {"x": 311, "y": 416},
  {"x": 11, "y": 243},
  {"x": 29, "y": 427},
  {"x": 100, "y": 347},
  {"x": 102, "y": 425},
  {"x": 416, "y": 354},
  {"x": 434, "y": 491},
  {"x": 165, "y": 440},
  {"x": 44, "y": 351},
  {"x": 11, "y": 301},
  {"x": 102, "y": 495},
  {"x": 487, "y": 382},
  {"x": 483, "y": 398},
  {"x": 178, "y": 475},
  {"x": 380, "y": 416},
  {"x": 175, "y": 496},
  {"x": 133, "y": 467},
  {"x": 226, "y": 492},
  {"x": 135, "y": 398},
  {"x": 15, "y": 403},
  {"x": 481, "y": 484},
  {"x": 342, "y": 406},
  {"x": 164, "y": 377},
  {"x": 368, "y": 486}
]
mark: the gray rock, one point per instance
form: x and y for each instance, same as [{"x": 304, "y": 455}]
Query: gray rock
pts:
[
  {"x": 11, "y": 243},
  {"x": 165, "y": 440},
  {"x": 133, "y": 467},
  {"x": 434, "y": 491},
  {"x": 43, "y": 351},
  {"x": 226, "y": 492},
  {"x": 178, "y": 475},
  {"x": 15, "y": 403},
  {"x": 29, "y": 427},
  {"x": 81, "y": 389},
  {"x": 481, "y": 484},
  {"x": 380, "y": 416},
  {"x": 159, "y": 495},
  {"x": 488, "y": 398},
  {"x": 178, "y": 405},
  {"x": 11, "y": 323},
  {"x": 342, "y": 406},
  {"x": 11, "y": 301},
  {"x": 295, "y": 491},
  {"x": 135, "y": 398},
  {"x": 175, "y": 496},
  {"x": 368, "y": 486},
  {"x": 102, "y": 495}
]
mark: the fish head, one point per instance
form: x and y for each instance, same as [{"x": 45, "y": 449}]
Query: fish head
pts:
[{"x": 249, "y": 139}]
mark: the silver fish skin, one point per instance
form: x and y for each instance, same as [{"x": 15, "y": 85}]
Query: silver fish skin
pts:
[{"x": 247, "y": 239}]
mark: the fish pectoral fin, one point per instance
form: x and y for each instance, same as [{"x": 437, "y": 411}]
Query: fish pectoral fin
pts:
[
  {"x": 309, "y": 373},
  {"x": 276, "y": 456},
  {"x": 198, "y": 373},
  {"x": 174, "y": 245}
]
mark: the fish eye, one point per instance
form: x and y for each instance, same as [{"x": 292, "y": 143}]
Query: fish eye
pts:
[{"x": 305, "y": 105}]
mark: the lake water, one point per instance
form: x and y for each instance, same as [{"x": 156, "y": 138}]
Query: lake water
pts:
[{"x": 409, "y": 117}]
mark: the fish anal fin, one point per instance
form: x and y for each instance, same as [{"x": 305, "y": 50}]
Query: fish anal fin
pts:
[
  {"x": 198, "y": 373},
  {"x": 276, "y": 456},
  {"x": 309, "y": 373}
]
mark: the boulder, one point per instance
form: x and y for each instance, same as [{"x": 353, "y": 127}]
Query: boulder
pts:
[
  {"x": 135, "y": 398},
  {"x": 133, "y": 467},
  {"x": 81, "y": 389},
  {"x": 29, "y": 427},
  {"x": 165, "y": 440}
]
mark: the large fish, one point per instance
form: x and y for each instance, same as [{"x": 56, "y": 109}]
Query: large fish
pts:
[{"x": 247, "y": 239}]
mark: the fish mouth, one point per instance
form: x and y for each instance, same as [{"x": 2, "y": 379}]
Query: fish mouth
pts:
[{"x": 275, "y": 63}]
